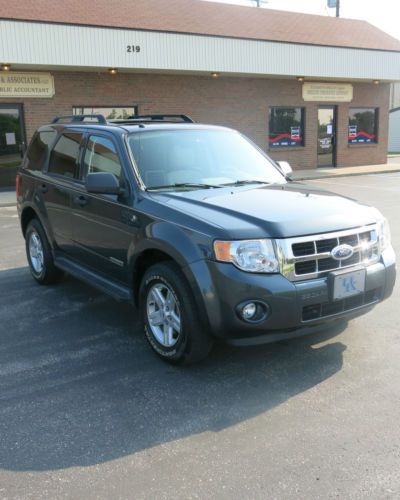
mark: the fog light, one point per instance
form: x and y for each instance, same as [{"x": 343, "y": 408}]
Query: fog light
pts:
[
  {"x": 252, "y": 311},
  {"x": 249, "y": 311}
]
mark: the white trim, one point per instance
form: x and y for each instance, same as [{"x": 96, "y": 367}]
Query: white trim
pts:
[
  {"x": 54, "y": 45},
  {"x": 394, "y": 130}
]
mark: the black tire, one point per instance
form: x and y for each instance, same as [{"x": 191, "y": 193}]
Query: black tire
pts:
[
  {"x": 48, "y": 273},
  {"x": 193, "y": 343}
]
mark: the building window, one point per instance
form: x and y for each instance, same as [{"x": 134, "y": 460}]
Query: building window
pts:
[
  {"x": 109, "y": 112},
  {"x": 363, "y": 125},
  {"x": 64, "y": 157},
  {"x": 286, "y": 127}
]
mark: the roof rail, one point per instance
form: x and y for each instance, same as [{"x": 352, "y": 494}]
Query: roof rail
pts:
[
  {"x": 79, "y": 118},
  {"x": 161, "y": 118}
]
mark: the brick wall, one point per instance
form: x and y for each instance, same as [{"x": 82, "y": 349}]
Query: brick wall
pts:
[{"x": 240, "y": 103}]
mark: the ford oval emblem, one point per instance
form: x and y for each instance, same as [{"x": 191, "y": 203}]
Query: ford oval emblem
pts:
[{"x": 342, "y": 252}]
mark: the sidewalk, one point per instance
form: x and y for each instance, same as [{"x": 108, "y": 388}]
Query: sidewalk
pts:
[
  {"x": 7, "y": 197},
  {"x": 393, "y": 165}
]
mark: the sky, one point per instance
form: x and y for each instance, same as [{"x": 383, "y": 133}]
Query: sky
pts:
[{"x": 385, "y": 14}]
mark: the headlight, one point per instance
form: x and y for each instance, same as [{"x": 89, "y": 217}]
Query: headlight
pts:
[
  {"x": 253, "y": 256},
  {"x": 383, "y": 234}
]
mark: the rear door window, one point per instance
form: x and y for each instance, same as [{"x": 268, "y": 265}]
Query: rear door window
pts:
[
  {"x": 38, "y": 149},
  {"x": 65, "y": 154}
]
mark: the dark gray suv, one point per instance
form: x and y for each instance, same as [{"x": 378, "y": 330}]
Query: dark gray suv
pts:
[{"x": 200, "y": 229}]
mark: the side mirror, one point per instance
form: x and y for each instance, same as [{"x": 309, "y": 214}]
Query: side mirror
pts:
[
  {"x": 102, "y": 183},
  {"x": 285, "y": 168}
]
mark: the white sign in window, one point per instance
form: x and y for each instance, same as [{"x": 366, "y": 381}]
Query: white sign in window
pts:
[{"x": 11, "y": 140}]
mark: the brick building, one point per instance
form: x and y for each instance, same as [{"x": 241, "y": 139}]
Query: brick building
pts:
[{"x": 313, "y": 90}]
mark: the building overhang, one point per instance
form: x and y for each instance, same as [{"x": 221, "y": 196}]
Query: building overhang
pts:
[{"x": 87, "y": 48}]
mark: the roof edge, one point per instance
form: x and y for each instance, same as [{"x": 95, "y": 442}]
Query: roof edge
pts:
[{"x": 191, "y": 33}]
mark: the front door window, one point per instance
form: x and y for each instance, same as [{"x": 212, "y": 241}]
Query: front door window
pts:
[
  {"x": 11, "y": 142},
  {"x": 326, "y": 136}
]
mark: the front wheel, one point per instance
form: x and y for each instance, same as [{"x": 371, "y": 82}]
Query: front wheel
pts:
[{"x": 170, "y": 316}]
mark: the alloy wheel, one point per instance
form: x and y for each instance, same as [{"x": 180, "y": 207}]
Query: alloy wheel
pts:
[{"x": 163, "y": 314}]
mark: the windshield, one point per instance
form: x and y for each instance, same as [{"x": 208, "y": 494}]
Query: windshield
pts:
[{"x": 199, "y": 158}]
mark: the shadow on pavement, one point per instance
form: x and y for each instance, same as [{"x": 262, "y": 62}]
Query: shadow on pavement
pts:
[{"x": 79, "y": 385}]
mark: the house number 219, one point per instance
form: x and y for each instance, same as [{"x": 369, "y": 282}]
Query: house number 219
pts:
[{"x": 133, "y": 48}]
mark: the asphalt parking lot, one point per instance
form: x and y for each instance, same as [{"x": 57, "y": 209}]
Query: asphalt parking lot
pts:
[{"x": 88, "y": 411}]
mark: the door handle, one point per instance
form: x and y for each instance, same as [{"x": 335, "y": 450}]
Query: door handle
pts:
[
  {"x": 43, "y": 188},
  {"x": 81, "y": 200}
]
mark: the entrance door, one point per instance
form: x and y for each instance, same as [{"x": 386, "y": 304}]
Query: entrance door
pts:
[
  {"x": 12, "y": 142},
  {"x": 326, "y": 136}
]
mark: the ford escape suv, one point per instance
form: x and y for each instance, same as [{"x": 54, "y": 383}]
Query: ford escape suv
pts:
[{"x": 200, "y": 229}]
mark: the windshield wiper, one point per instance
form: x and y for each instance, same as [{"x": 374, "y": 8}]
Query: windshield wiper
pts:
[
  {"x": 184, "y": 184},
  {"x": 245, "y": 181}
]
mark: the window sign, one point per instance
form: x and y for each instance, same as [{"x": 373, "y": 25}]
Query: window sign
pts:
[
  {"x": 11, "y": 139},
  {"x": 352, "y": 131},
  {"x": 295, "y": 133},
  {"x": 286, "y": 127},
  {"x": 363, "y": 126},
  {"x": 325, "y": 142}
]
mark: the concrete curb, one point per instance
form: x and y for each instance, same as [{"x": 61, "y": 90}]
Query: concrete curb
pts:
[
  {"x": 5, "y": 205},
  {"x": 344, "y": 174}
]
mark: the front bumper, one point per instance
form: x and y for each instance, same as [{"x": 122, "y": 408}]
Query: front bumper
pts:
[{"x": 294, "y": 308}]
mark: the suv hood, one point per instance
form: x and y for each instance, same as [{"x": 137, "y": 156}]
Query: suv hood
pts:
[{"x": 276, "y": 211}]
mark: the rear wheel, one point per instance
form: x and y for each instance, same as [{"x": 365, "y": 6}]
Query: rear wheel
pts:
[
  {"x": 40, "y": 257},
  {"x": 170, "y": 317}
]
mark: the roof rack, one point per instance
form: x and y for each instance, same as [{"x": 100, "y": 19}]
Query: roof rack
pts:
[
  {"x": 132, "y": 119},
  {"x": 160, "y": 118},
  {"x": 79, "y": 118}
]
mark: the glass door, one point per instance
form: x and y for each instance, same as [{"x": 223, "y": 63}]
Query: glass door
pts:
[
  {"x": 326, "y": 136},
  {"x": 12, "y": 142}
]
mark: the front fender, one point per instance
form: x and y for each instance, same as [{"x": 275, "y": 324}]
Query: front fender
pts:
[
  {"x": 189, "y": 249},
  {"x": 182, "y": 244}
]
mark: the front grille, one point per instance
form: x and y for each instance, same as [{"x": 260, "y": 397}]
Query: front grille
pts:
[
  {"x": 327, "y": 264},
  {"x": 306, "y": 248},
  {"x": 351, "y": 239},
  {"x": 326, "y": 245},
  {"x": 310, "y": 256},
  {"x": 324, "y": 309},
  {"x": 306, "y": 267}
]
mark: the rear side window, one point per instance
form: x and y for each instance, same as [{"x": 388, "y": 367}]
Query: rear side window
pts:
[
  {"x": 38, "y": 149},
  {"x": 101, "y": 156},
  {"x": 64, "y": 157}
]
